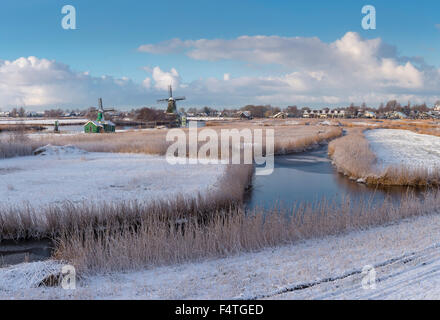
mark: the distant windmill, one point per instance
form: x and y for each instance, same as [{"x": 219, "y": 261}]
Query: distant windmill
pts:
[
  {"x": 100, "y": 125},
  {"x": 171, "y": 101},
  {"x": 101, "y": 111}
]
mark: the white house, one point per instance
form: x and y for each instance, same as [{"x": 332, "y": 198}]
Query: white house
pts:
[
  {"x": 337, "y": 113},
  {"x": 245, "y": 115},
  {"x": 306, "y": 114},
  {"x": 397, "y": 115},
  {"x": 280, "y": 115},
  {"x": 370, "y": 114}
]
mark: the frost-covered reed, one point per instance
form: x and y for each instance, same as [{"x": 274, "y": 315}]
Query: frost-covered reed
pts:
[
  {"x": 288, "y": 139},
  {"x": 161, "y": 236},
  {"x": 353, "y": 157},
  {"x": 16, "y": 144}
]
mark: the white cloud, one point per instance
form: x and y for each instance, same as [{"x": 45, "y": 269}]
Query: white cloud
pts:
[
  {"x": 33, "y": 82},
  {"x": 314, "y": 71},
  {"x": 163, "y": 79},
  {"x": 147, "y": 83},
  {"x": 226, "y": 77},
  {"x": 169, "y": 46}
]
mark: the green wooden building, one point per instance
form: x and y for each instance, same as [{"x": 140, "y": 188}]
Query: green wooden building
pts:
[{"x": 100, "y": 125}]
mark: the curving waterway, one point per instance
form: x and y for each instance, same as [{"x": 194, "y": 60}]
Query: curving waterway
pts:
[{"x": 310, "y": 177}]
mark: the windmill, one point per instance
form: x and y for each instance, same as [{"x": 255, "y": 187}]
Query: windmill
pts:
[
  {"x": 101, "y": 111},
  {"x": 171, "y": 101},
  {"x": 100, "y": 125}
]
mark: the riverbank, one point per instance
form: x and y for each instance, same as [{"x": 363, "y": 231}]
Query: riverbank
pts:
[{"x": 388, "y": 157}]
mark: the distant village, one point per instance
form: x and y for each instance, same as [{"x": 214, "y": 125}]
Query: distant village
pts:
[{"x": 391, "y": 110}]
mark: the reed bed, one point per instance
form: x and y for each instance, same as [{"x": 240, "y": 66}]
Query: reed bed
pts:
[
  {"x": 160, "y": 239},
  {"x": 285, "y": 144},
  {"x": 404, "y": 176},
  {"x": 20, "y": 127},
  {"x": 288, "y": 139},
  {"x": 147, "y": 142},
  {"x": 27, "y": 222},
  {"x": 353, "y": 157},
  {"x": 17, "y": 144},
  {"x": 429, "y": 127}
]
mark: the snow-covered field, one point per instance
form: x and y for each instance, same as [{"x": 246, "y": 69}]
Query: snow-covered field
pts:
[
  {"x": 365, "y": 124},
  {"x": 404, "y": 147},
  {"x": 406, "y": 258},
  {"x": 68, "y": 173}
]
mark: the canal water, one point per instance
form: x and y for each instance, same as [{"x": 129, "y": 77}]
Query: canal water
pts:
[
  {"x": 309, "y": 177},
  {"x": 66, "y": 129},
  {"x": 12, "y": 252}
]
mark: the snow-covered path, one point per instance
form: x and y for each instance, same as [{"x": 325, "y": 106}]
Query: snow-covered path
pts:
[
  {"x": 68, "y": 173},
  {"x": 404, "y": 147},
  {"x": 406, "y": 256},
  {"x": 415, "y": 275}
]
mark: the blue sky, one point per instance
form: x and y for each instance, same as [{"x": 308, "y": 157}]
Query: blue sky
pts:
[{"x": 110, "y": 32}]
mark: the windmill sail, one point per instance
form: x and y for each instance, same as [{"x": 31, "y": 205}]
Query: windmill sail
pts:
[
  {"x": 101, "y": 110},
  {"x": 172, "y": 108}
]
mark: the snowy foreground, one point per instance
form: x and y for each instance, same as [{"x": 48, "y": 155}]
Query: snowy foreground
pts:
[
  {"x": 404, "y": 147},
  {"x": 67, "y": 173},
  {"x": 406, "y": 257}
]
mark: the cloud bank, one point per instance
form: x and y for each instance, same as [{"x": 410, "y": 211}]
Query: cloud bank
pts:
[
  {"x": 33, "y": 82},
  {"x": 306, "y": 71},
  {"x": 348, "y": 69}
]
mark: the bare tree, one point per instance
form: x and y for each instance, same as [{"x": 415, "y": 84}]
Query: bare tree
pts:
[{"x": 21, "y": 112}]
